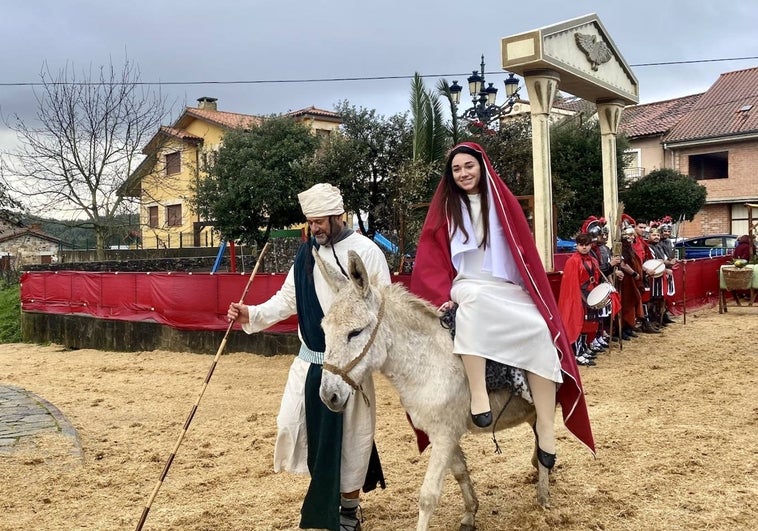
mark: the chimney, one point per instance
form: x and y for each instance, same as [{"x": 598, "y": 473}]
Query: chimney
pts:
[{"x": 209, "y": 104}]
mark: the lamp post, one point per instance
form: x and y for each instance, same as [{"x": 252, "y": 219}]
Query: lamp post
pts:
[{"x": 484, "y": 109}]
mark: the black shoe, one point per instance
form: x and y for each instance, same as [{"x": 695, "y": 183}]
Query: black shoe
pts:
[
  {"x": 648, "y": 328},
  {"x": 482, "y": 419},
  {"x": 547, "y": 460},
  {"x": 629, "y": 332},
  {"x": 667, "y": 320}
]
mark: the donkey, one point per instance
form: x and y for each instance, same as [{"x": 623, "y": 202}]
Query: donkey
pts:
[{"x": 387, "y": 329}]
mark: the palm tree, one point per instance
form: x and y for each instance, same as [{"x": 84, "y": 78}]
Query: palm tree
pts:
[
  {"x": 456, "y": 130},
  {"x": 430, "y": 134}
]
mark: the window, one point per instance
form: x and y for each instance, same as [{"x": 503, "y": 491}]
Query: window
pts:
[
  {"x": 152, "y": 216},
  {"x": 174, "y": 215},
  {"x": 633, "y": 169},
  {"x": 173, "y": 163},
  {"x": 709, "y": 165}
]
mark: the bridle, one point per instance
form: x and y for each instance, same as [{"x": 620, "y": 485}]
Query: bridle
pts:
[{"x": 344, "y": 373}]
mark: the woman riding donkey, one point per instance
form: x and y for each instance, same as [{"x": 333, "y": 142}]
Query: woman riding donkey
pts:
[{"x": 476, "y": 250}]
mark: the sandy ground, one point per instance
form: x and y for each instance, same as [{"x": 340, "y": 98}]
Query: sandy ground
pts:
[{"x": 675, "y": 418}]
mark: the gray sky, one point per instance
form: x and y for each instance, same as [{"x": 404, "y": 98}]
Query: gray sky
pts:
[{"x": 227, "y": 41}]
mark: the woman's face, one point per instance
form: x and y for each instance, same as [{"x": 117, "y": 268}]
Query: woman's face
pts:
[{"x": 467, "y": 172}]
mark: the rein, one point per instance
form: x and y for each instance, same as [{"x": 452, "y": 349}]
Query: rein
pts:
[{"x": 343, "y": 373}]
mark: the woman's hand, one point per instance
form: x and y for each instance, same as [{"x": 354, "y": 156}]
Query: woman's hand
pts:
[
  {"x": 238, "y": 312},
  {"x": 446, "y": 306}
]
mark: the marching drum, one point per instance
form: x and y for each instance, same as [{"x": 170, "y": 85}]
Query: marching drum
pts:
[
  {"x": 600, "y": 296},
  {"x": 654, "y": 268}
]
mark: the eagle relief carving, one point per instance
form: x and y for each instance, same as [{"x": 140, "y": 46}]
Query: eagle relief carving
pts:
[{"x": 597, "y": 52}]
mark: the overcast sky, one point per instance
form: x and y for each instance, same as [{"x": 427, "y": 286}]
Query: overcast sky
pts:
[{"x": 225, "y": 41}]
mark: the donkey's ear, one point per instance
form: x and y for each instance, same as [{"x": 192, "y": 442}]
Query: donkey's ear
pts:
[
  {"x": 334, "y": 278},
  {"x": 358, "y": 274}
]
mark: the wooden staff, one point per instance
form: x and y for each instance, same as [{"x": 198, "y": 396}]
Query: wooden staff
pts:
[
  {"x": 616, "y": 251},
  {"x": 619, "y": 320},
  {"x": 618, "y": 290},
  {"x": 197, "y": 402},
  {"x": 684, "y": 267}
]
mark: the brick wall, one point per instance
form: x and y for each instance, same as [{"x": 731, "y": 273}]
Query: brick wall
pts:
[{"x": 740, "y": 185}]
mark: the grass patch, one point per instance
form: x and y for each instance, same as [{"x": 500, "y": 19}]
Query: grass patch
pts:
[{"x": 10, "y": 314}]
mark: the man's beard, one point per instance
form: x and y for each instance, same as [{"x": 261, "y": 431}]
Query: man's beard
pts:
[{"x": 323, "y": 239}]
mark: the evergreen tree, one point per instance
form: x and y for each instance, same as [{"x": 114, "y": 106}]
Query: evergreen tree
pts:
[
  {"x": 252, "y": 186},
  {"x": 664, "y": 192}
]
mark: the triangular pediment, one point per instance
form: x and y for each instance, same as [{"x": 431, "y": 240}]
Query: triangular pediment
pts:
[{"x": 582, "y": 52}]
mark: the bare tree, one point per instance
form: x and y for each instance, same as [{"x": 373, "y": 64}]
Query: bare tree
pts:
[{"x": 85, "y": 143}]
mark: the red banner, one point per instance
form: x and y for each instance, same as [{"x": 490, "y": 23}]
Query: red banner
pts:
[
  {"x": 198, "y": 301},
  {"x": 188, "y": 301}
]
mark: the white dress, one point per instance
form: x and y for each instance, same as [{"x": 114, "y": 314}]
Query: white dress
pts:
[{"x": 496, "y": 318}]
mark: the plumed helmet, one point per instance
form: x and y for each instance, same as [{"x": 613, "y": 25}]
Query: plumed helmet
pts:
[
  {"x": 592, "y": 226},
  {"x": 603, "y": 225},
  {"x": 627, "y": 225},
  {"x": 665, "y": 224}
]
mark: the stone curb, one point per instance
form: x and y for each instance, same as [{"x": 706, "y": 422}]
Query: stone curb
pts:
[{"x": 24, "y": 414}]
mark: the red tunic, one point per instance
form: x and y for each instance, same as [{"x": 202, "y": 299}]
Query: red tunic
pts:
[
  {"x": 571, "y": 301},
  {"x": 433, "y": 275}
]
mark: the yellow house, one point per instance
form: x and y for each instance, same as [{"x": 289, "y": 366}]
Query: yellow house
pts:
[{"x": 173, "y": 162}]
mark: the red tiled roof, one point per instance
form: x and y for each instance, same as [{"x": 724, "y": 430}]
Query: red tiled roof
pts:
[
  {"x": 315, "y": 111},
  {"x": 728, "y": 108},
  {"x": 655, "y": 118},
  {"x": 21, "y": 232},
  {"x": 222, "y": 118},
  {"x": 575, "y": 105},
  {"x": 180, "y": 134},
  {"x": 174, "y": 132}
]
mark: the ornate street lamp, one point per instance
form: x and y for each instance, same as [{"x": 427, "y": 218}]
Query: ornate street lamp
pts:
[{"x": 484, "y": 108}]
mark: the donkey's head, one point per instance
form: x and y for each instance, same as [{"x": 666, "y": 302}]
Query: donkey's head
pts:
[{"x": 350, "y": 327}]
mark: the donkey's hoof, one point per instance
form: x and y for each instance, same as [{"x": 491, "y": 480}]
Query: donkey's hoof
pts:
[
  {"x": 544, "y": 501},
  {"x": 467, "y": 527}
]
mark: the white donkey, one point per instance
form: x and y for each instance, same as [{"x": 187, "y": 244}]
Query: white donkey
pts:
[{"x": 387, "y": 329}]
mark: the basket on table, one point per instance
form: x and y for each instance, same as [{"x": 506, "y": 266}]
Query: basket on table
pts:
[{"x": 735, "y": 278}]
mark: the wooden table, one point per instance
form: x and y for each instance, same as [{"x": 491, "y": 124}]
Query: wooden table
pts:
[{"x": 753, "y": 289}]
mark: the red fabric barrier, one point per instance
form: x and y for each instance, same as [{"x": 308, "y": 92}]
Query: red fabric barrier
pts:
[
  {"x": 198, "y": 301},
  {"x": 697, "y": 283},
  {"x": 182, "y": 300}
]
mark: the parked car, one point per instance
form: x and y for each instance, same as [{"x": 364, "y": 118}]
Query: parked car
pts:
[
  {"x": 706, "y": 246},
  {"x": 564, "y": 246}
]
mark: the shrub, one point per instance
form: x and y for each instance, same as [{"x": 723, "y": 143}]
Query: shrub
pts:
[{"x": 10, "y": 314}]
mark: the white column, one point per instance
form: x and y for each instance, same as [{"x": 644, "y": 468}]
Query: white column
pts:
[
  {"x": 542, "y": 86},
  {"x": 609, "y": 113}
]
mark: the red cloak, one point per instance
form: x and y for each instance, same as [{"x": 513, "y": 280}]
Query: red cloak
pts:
[{"x": 571, "y": 301}]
